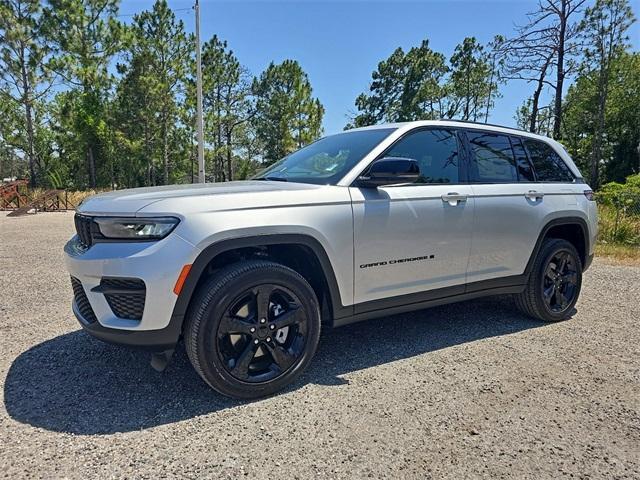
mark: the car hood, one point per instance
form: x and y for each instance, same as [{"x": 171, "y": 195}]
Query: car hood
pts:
[{"x": 215, "y": 195}]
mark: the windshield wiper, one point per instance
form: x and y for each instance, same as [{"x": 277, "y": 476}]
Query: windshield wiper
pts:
[{"x": 274, "y": 179}]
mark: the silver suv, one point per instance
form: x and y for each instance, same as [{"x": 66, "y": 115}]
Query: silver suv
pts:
[{"x": 367, "y": 223}]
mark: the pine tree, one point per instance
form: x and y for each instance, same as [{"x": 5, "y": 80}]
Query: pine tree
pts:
[
  {"x": 161, "y": 49},
  {"x": 470, "y": 81},
  {"x": 287, "y": 116},
  {"x": 86, "y": 36},
  {"x": 24, "y": 76},
  {"x": 226, "y": 102},
  {"x": 604, "y": 31}
]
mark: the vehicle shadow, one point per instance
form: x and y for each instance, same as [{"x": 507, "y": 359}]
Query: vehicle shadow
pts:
[{"x": 74, "y": 383}]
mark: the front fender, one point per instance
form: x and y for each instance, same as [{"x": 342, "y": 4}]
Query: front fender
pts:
[{"x": 251, "y": 238}]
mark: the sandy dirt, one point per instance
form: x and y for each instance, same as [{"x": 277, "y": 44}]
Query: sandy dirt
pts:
[{"x": 468, "y": 390}]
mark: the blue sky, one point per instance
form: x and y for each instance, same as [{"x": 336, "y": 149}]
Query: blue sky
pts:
[{"x": 339, "y": 43}]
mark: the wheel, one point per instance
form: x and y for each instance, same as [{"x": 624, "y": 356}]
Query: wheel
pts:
[
  {"x": 252, "y": 329},
  {"x": 554, "y": 283}
]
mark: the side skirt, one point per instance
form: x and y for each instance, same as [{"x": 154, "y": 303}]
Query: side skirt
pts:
[{"x": 432, "y": 298}]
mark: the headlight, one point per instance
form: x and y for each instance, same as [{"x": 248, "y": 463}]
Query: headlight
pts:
[{"x": 136, "y": 228}]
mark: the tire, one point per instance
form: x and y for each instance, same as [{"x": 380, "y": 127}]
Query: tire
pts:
[
  {"x": 229, "y": 346},
  {"x": 535, "y": 300}
]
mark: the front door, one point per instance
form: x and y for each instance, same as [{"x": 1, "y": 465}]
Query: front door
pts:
[{"x": 416, "y": 238}]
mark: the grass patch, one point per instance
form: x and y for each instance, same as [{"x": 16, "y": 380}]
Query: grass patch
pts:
[
  {"x": 619, "y": 235},
  {"x": 618, "y": 254},
  {"x": 617, "y": 226}
]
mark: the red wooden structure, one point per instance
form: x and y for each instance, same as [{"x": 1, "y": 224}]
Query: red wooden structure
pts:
[
  {"x": 17, "y": 197},
  {"x": 13, "y": 195}
]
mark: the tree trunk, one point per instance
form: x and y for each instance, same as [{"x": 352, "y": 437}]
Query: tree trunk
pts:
[
  {"x": 557, "y": 109},
  {"x": 26, "y": 90},
  {"x": 92, "y": 166},
  {"x": 147, "y": 153},
  {"x": 493, "y": 69},
  {"x": 33, "y": 182},
  {"x": 599, "y": 130},
  {"x": 165, "y": 149},
  {"x": 194, "y": 159},
  {"x": 91, "y": 160},
  {"x": 219, "y": 176},
  {"x": 229, "y": 157},
  {"x": 467, "y": 99},
  {"x": 533, "y": 122},
  {"x": 535, "y": 107}
]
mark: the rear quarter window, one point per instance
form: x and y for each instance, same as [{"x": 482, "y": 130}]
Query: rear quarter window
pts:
[
  {"x": 525, "y": 171},
  {"x": 548, "y": 165}
]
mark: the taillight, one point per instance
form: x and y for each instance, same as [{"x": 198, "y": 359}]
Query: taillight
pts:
[{"x": 589, "y": 194}]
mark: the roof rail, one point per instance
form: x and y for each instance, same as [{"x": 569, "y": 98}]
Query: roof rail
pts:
[{"x": 482, "y": 123}]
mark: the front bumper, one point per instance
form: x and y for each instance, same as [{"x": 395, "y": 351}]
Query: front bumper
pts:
[
  {"x": 158, "y": 264},
  {"x": 153, "y": 340}
]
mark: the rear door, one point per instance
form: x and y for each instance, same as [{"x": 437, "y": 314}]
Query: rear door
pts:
[
  {"x": 512, "y": 204},
  {"x": 409, "y": 239}
]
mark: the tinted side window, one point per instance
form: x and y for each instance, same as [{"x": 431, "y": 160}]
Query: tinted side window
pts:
[
  {"x": 493, "y": 158},
  {"x": 525, "y": 172},
  {"x": 436, "y": 152},
  {"x": 547, "y": 163}
]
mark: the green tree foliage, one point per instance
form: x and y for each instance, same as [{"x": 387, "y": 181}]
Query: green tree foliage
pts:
[
  {"x": 604, "y": 30},
  {"x": 122, "y": 112},
  {"x": 406, "y": 86},
  {"x": 287, "y": 116},
  {"x": 227, "y": 103},
  {"x": 12, "y": 164},
  {"x": 534, "y": 117},
  {"x": 419, "y": 85},
  {"x": 620, "y": 154},
  {"x": 622, "y": 194},
  {"x": 24, "y": 77},
  {"x": 147, "y": 108},
  {"x": 470, "y": 83},
  {"x": 86, "y": 35},
  {"x": 88, "y": 100}
]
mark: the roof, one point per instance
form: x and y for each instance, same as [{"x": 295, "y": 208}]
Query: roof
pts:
[{"x": 452, "y": 123}]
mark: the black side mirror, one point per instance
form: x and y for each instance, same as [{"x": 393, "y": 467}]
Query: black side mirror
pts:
[{"x": 390, "y": 171}]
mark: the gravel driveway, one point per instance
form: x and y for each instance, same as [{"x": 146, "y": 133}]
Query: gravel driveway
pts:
[{"x": 467, "y": 390}]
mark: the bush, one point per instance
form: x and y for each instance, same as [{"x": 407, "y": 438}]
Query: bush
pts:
[
  {"x": 619, "y": 212},
  {"x": 622, "y": 196}
]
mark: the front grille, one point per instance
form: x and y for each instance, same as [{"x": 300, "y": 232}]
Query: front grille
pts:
[
  {"x": 82, "y": 302},
  {"x": 84, "y": 229},
  {"x": 125, "y": 296}
]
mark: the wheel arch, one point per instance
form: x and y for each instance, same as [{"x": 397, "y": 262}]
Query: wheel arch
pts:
[
  {"x": 572, "y": 229},
  {"x": 275, "y": 247}
]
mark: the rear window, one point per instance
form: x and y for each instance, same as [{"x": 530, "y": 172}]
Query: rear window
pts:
[
  {"x": 493, "y": 158},
  {"x": 548, "y": 165}
]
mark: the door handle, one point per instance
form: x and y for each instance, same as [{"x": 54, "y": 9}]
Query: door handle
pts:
[
  {"x": 453, "y": 198},
  {"x": 534, "y": 195}
]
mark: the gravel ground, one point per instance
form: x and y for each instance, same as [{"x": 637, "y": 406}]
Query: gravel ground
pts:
[{"x": 467, "y": 390}]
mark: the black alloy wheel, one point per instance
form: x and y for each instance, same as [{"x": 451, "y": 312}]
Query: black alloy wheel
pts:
[
  {"x": 262, "y": 333},
  {"x": 560, "y": 281},
  {"x": 553, "y": 283},
  {"x": 252, "y": 328}
]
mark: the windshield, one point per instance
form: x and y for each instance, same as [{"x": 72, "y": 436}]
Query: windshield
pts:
[{"x": 327, "y": 160}]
